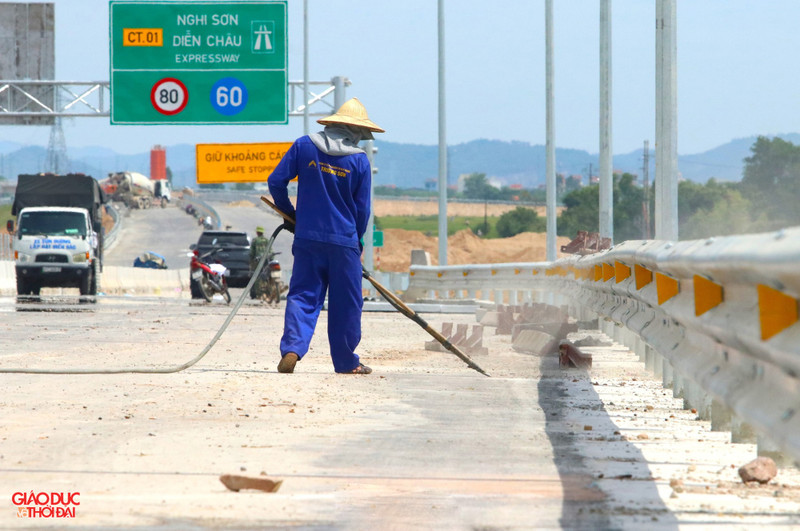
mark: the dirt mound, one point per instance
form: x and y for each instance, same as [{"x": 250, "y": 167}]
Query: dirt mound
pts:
[
  {"x": 242, "y": 203},
  {"x": 463, "y": 247},
  {"x": 430, "y": 207}
]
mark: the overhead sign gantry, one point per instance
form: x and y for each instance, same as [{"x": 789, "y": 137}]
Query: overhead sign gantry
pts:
[{"x": 198, "y": 62}]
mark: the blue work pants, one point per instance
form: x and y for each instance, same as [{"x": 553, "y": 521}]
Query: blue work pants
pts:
[{"x": 318, "y": 268}]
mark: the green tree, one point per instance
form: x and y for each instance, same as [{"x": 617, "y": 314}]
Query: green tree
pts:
[
  {"x": 583, "y": 210},
  {"x": 519, "y": 220},
  {"x": 771, "y": 180},
  {"x": 477, "y": 187},
  {"x": 729, "y": 213}
]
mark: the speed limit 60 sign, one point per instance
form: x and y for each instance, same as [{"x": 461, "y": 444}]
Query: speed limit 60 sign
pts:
[{"x": 198, "y": 62}]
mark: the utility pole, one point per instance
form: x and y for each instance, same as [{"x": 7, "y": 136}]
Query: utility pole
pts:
[
  {"x": 666, "y": 215},
  {"x": 550, "y": 170},
  {"x": 606, "y": 221},
  {"x": 305, "y": 69},
  {"x": 442, "y": 146},
  {"x": 646, "y": 186}
]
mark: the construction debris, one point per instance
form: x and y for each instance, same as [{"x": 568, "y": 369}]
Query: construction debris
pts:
[
  {"x": 586, "y": 243},
  {"x": 237, "y": 483},
  {"x": 469, "y": 344},
  {"x": 760, "y": 469},
  {"x": 570, "y": 357}
]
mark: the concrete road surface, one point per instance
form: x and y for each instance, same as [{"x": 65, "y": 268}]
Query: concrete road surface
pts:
[{"x": 422, "y": 443}]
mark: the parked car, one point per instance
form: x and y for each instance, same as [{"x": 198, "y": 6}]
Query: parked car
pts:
[{"x": 234, "y": 253}]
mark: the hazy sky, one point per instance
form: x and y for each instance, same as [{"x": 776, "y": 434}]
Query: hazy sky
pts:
[{"x": 736, "y": 77}]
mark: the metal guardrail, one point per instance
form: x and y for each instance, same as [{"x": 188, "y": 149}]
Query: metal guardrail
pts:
[
  {"x": 723, "y": 312},
  {"x": 110, "y": 239},
  {"x": 202, "y": 210}
]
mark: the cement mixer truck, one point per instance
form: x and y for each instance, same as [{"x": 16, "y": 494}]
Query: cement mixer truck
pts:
[{"x": 136, "y": 190}]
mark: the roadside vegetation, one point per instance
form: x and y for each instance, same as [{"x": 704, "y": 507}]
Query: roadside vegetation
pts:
[
  {"x": 5, "y": 215},
  {"x": 766, "y": 199},
  {"x": 429, "y": 225}
]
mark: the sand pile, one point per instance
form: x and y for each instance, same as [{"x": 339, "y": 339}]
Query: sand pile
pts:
[
  {"x": 464, "y": 247},
  {"x": 243, "y": 203}
]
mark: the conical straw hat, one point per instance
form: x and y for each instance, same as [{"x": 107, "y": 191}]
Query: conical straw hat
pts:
[{"x": 352, "y": 112}]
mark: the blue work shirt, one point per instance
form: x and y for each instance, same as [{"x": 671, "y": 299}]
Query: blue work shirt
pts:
[{"x": 333, "y": 193}]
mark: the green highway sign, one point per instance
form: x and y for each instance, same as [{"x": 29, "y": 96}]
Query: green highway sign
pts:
[
  {"x": 377, "y": 238},
  {"x": 198, "y": 62}
]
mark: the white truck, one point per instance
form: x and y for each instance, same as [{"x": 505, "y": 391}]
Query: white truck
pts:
[{"x": 58, "y": 237}]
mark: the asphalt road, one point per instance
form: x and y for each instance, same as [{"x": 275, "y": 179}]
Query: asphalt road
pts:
[{"x": 169, "y": 232}]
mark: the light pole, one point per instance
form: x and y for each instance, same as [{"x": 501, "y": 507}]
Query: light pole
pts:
[
  {"x": 442, "y": 146},
  {"x": 551, "y": 134}
]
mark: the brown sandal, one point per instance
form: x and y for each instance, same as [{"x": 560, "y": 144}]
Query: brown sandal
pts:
[
  {"x": 361, "y": 369},
  {"x": 288, "y": 362}
]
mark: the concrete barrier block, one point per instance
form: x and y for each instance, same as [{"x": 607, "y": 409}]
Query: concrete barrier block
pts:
[
  {"x": 8, "y": 278},
  {"x": 535, "y": 342},
  {"x": 490, "y": 318}
]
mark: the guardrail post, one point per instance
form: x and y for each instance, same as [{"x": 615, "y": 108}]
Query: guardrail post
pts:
[
  {"x": 658, "y": 364},
  {"x": 695, "y": 398},
  {"x": 667, "y": 374},
  {"x": 742, "y": 432},
  {"x": 677, "y": 384},
  {"x": 649, "y": 358},
  {"x": 767, "y": 448},
  {"x": 720, "y": 417}
]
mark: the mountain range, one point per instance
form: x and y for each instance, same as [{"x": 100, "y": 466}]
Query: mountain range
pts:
[{"x": 411, "y": 165}]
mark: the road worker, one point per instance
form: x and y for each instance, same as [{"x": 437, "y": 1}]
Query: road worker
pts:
[
  {"x": 258, "y": 247},
  {"x": 333, "y": 202}
]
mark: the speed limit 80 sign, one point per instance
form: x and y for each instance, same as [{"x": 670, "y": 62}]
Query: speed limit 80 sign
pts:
[
  {"x": 183, "y": 62},
  {"x": 169, "y": 96}
]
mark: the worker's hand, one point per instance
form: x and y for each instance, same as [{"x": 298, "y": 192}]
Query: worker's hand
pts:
[{"x": 288, "y": 227}]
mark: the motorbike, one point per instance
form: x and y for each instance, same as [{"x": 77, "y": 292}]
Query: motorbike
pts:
[
  {"x": 269, "y": 285},
  {"x": 208, "y": 278}
]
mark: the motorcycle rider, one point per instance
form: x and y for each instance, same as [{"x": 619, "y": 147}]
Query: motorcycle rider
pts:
[
  {"x": 258, "y": 247},
  {"x": 333, "y": 200}
]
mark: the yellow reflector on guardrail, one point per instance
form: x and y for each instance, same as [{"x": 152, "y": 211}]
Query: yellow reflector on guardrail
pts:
[
  {"x": 776, "y": 311},
  {"x": 643, "y": 276},
  {"x": 608, "y": 272},
  {"x": 598, "y": 272},
  {"x": 666, "y": 287},
  {"x": 621, "y": 271},
  {"x": 707, "y": 295}
]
